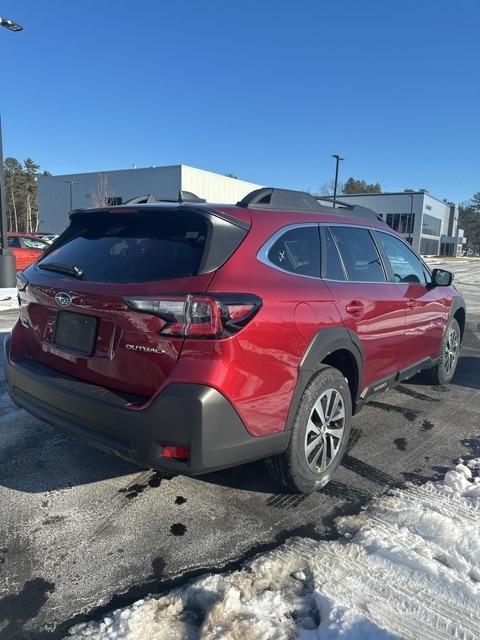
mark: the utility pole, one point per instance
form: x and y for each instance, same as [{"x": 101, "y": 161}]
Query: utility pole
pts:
[
  {"x": 8, "y": 268},
  {"x": 337, "y": 162}
]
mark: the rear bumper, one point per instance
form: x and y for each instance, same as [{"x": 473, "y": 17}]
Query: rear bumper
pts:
[{"x": 191, "y": 415}]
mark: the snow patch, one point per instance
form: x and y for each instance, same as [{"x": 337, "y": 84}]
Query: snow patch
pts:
[
  {"x": 407, "y": 566},
  {"x": 8, "y": 299}
]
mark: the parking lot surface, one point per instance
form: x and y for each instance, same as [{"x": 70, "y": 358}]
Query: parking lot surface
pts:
[{"x": 82, "y": 532}]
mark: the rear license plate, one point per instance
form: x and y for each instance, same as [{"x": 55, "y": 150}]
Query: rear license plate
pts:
[{"x": 76, "y": 331}]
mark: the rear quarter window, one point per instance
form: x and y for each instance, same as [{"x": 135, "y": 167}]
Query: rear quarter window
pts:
[{"x": 297, "y": 250}]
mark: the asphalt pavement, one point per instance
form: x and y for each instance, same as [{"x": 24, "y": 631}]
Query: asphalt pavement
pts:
[{"x": 82, "y": 532}]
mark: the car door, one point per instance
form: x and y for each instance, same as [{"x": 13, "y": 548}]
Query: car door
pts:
[
  {"x": 426, "y": 308},
  {"x": 367, "y": 301}
]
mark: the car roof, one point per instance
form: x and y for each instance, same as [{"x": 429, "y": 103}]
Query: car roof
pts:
[
  {"x": 19, "y": 234},
  {"x": 288, "y": 206},
  {"x": 329, "y": 216},
  {"x": 29, "y": 236},
  {"x": 249, "y": 214}
]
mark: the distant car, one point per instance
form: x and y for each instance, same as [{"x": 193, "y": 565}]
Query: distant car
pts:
[
  {"x": 48, "y": 237},
  {"x": 27, "y": 248}
]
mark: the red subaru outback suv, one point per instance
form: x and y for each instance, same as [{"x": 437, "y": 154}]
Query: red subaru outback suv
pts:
[{"x": 191, "y": 337}]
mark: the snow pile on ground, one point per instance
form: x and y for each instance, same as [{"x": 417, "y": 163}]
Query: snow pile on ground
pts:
[
  {"x": 8, "y": 299},
  {"x": 408, "y": 566}
]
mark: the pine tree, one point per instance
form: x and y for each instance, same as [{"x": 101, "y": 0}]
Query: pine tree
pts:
[
  {"x": 21, "y": 194},
  {"x": 361, "y": 186}
]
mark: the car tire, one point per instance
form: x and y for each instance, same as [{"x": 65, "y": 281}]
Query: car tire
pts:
[
  {"x": 318, "y": 436},
  {"x": 444, "y": 371}
]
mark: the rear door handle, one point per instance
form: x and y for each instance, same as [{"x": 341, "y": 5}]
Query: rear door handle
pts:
[
  {"x": 355, "y": 308},
  {"x": 413, "y": 304}
]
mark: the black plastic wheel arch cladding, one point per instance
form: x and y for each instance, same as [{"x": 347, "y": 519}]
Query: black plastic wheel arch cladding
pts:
[
  {"x": 323, "y": 344},
  {"x": 458, "y": 304}
]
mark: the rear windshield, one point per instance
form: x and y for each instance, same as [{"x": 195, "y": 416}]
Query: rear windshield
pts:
[{"x": 123, "y": 248}]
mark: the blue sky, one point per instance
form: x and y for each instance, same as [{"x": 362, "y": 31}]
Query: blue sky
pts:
[{"x": 264, "y": 89}]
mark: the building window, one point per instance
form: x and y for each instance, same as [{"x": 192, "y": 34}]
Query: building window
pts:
[
  {"x": 429, "y": 247},
  {"x": 401, "y": 222},
  {"x": 431, "y": 226}
]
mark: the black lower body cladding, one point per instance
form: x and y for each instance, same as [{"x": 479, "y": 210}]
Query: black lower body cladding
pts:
[{"x": 190, "y": 415}]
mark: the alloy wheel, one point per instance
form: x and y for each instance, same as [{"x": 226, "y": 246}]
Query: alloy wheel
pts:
[
  {"x": 450, "y": 354},
  {"x": 325, "y": 430}
]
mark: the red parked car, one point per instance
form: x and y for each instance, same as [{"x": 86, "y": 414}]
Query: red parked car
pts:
[
  {"x": 191, "y": 337},
  {"x": 27, "y": 248}
]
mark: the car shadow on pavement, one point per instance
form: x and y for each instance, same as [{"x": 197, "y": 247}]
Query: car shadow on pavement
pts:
[
  {"x": 40, "y": 472},
  {"x": 247, "y": 477},
  {"x": 254, "y": 477},
  {"x": 468, "y": 372},
  {"x": 468, "y": 368}
]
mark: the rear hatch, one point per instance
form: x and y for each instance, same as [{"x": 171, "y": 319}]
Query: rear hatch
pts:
[{"x": 104, "y": 303}]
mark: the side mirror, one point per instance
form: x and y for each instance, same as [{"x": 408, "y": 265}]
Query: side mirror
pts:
[{"x": 442, "y": 278}]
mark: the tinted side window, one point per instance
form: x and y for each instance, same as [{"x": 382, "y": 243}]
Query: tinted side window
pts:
[
  {"x": 333, "y": 268},
  {"x": 405, "y": 265},
  {"x": 359, "y": 254},
  {"x": 298, "y": 251},
  {"x": 14, "y": 242}
]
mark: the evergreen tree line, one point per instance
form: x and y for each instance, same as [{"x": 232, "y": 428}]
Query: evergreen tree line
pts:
[
  {"x": 22, "y": 200},
  {"x": 469, "y": 220},
  {"x": 21, "y": 194}
]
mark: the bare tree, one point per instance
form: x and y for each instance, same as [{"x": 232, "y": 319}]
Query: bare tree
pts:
[
  {"x": 328, "y": 188},
  {"x": 15, "y": 210},
  {"x": 29, "y": 214},
  {"x": 101, "y": 194}
]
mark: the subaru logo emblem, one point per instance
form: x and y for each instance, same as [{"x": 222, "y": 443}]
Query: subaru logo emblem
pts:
[{"x": 63, "y": 299}]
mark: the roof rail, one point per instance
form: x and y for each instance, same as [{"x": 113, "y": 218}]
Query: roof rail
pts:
[
  {"x": 285, "y": 199},
  {"x": 149, "y": 198},
  {"x": 290, "y": 200}
]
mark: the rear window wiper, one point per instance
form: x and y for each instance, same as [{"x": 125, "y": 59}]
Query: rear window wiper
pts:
[{"x": 67, "y": 269}]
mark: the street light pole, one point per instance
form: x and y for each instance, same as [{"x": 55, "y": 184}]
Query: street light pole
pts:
[
  {"x": 337, "y": 162},
  {"x": 10, "y": 24},
  {"x": 71, "y": 183},
  {"x": 8, "y": 268}
]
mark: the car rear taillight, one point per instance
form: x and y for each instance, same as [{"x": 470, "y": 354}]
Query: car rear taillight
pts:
[
  {"x": 175, "y": 452},
  {"x": 200, "y": 316}
]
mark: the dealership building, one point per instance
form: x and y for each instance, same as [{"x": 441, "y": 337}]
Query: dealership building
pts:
[
  {"x": 429, "y": 224},
  {"x": 119, "y": 186}
]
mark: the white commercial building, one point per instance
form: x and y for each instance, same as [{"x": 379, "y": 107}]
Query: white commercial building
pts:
[
  {"x": 116, "y": 187},
  {"x": 429, "y": 224}
]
